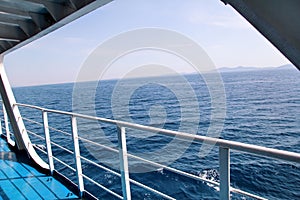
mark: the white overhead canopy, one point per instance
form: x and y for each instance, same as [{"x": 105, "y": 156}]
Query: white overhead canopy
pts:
[
  {"x": 277, "y": 20},
  {"x": 22, "y": 21}
]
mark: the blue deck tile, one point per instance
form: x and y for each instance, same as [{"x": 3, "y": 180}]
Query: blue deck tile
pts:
[
  {"x": 10, "y": 191},
  {"x": 21, "y": 181},
  {"x": 3, "y": 146},
  {"x": 2, "y": 176},
  {"x": 42, "y": 190},
  {"x": 26, "y": 189},
  {"x": 60, "y": 190},
  {"x": 32, "y": 170},
  {"x": 8, "y": 171},
  {"x": 19, "y": 168}
]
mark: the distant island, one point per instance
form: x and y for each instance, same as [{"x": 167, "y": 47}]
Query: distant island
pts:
[{"x": 243, "y": 68}]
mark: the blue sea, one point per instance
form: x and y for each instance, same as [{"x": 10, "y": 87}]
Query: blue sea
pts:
[{"x": 260, "y": 107}]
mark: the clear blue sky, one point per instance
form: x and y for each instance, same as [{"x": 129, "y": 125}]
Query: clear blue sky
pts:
[{"x": 228, "y": 39}]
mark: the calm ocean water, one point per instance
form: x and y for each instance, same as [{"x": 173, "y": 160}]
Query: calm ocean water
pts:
[{"x": 262, "y": 108}]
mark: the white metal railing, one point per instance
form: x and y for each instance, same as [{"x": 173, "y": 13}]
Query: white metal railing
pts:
[
  {"x": 224, "y": 154},
  {"x": 8, "y": 135}
]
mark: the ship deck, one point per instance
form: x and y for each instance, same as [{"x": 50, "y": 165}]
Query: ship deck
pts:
[{"x": 19, "y": 180}]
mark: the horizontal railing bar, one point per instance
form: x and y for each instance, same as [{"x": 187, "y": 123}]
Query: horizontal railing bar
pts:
[
  {"x": 150, "y": 162},
  {"x": 100, "y": 166},
  {"x": 198, "y": 178},
  {"x": 60, "y": 131},
  {"x": 65, "y": 164},
  {"x": 103, "y": 187},
  {"x": 36, "y": 135},
  {"x": 164, "y": 167},
  {"x": 246, "y": 194},
  {"x": 100, "y": 145},
  {"x": 249, "y": 148},
  {"x": 40, "y": 149},
  {"x": 151, "y": 189},
  {"x": 67, "y": 150},
  {"x": 68, "y": 113},
  {"x": 131, "y": 180},
  {"x": 55, "y": 144},
  {"x": 155, "y": 164},
  {"x": 30, "y": 120},
  {"x": 50, "y": 127}
]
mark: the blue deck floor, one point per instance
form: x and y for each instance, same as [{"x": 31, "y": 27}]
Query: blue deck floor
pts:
[{"x": 21, "y": 181}]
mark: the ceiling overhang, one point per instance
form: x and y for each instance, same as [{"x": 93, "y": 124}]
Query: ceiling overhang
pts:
[
  {"x": 22, "y": 21},
  {"x": 277, "y": 20}
]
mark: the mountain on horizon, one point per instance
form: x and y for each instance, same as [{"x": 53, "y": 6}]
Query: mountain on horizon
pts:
[{"x": 244, "y": 68}]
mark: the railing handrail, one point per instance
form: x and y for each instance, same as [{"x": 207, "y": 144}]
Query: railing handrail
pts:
[
  {"x": 239, "y": 146},
  {"x": 224, "y": 153},
  {"x": 171, "y": 169}
]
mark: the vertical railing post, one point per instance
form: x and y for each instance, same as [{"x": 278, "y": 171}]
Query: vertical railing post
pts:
[
  {"x": 77, "y": 156},
  {"x": 1, "y": 127},
  {"x": 124, "y": 163},
  {"x": 48, "y": 142},
  {"x": 8, "y": 138},
  {"x": 1, "y": 132},
  {"x": 224, "y": 164},
  {"x": 6, "y": 124}
]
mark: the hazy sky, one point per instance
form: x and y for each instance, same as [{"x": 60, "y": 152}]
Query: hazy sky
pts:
[{"x": 228, "y": 39}]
